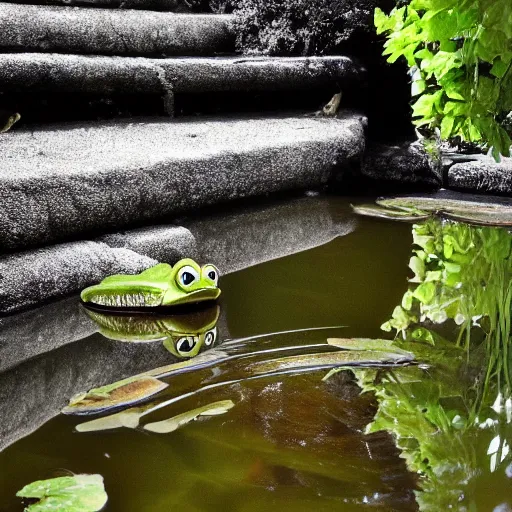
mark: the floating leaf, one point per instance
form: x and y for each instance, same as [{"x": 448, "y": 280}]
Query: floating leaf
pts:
[
  {"x": 172, "y": 424},
  {"x": 78, "y": 493},
  {"x": 122, "y": 393},
  {"x": 329, "y": 360},
  {"x": 443, "y": 202},
  {"x": 362, "y": 344},
  {"x": 371, "y": 210}
]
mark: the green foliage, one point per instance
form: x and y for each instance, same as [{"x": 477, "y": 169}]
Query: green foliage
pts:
[
  {"x": 427, "y": 413},
  {"x": 462, "y": 54},
  {"x": 78, "y": 493}
]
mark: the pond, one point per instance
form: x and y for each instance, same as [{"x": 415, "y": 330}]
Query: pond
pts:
[{"x": 378, "y": 433}]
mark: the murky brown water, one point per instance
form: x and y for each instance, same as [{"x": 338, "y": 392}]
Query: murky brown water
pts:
[{"x": 292, "y": 442}]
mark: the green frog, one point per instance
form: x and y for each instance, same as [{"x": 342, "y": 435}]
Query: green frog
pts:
[{"x": 161, "y": 285}]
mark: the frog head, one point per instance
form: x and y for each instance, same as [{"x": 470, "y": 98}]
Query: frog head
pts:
[
  {"x": 161, "y": 285},
  {"x": 191, "y": 283}
]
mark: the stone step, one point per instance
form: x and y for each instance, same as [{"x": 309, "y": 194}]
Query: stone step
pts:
[
  {"x": 78, "y": 30},
  {"x": 53, "y": 87},
  {"x": 29, "y": 72},
  {"x": 481, "y": 174},
  {"x": 216, "y": 6},
  {"x": 65, "y": 181}
]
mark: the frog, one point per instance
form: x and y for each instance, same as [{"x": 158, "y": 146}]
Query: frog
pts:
[{"x": 184, "y": 283}]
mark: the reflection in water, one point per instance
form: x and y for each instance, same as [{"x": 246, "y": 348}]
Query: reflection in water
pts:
[
  {"x": 452, "y": 419},
  {"x": 184, "y": 335}
]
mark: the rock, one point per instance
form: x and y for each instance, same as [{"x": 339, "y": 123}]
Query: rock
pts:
[
  {"x": 166, "y": 244},
  {"x": 34, "y": 72},
  {"x": 98, "y": 177},
  {"x": 406, "y": 166},
  {"x": 112, "y": 32},
  {"x": 482, "y": 176},
  {"x": 29, "y": 278},
  {"x": 216, "y": 6}
]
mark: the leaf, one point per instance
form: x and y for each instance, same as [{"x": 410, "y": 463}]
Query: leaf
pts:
[
  {"x": 417, "y": 265},
  {"x": 425, "y": 292},
  {"x": 172, "y": 424},
  {"x": 382, "y": 22},
  {"x": 443, "y": 62},
  {"x": 122, "y": 393},
  {"x": 78, "y": 493},
  {"x": 447, "y": 126},
  {"x": 417, "y": 87},
  {"x": 127, "y": 419},
  {"x": 441, "y": 25},
  {"x": 425, "y": 105},
  {"x": 319, "y": 360},
  {"x": 372, "y": 210},
  {"x": 499, "y": 68},
  {"x": 362, "y": 344}
]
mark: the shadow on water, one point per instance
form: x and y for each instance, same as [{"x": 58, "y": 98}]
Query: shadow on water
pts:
[{"x": 290, "y": 420}]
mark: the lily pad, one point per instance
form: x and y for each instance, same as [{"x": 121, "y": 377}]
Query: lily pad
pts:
[
  {"x": 172, "y": 424},
  {"x": 125, "y": 392},
  {"x": 78, "y": 493},
  {"x": 376, "y": 211}
]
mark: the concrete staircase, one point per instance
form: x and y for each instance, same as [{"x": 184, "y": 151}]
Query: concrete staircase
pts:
[{"x": 127, "y": 155}]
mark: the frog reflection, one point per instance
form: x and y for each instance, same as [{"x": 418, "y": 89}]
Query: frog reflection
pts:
[{"x": 184, "y": 335}]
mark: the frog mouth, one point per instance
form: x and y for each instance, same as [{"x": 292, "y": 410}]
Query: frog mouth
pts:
[{"x": 198, "y": 296}]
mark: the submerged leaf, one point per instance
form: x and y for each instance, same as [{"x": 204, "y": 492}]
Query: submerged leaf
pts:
[
  {"x": 127, "y": 419},
  {"x": 78, "y": 493},
  {"x": 172, "y": 424}
]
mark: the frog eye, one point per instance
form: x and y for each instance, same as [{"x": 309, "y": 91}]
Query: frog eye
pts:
[
  {"x": 185, "y": 345},
  {"x": 210, "y": 337},
  {"x": 211, "y": 273},
  {"x": 187, "y": 276}
]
